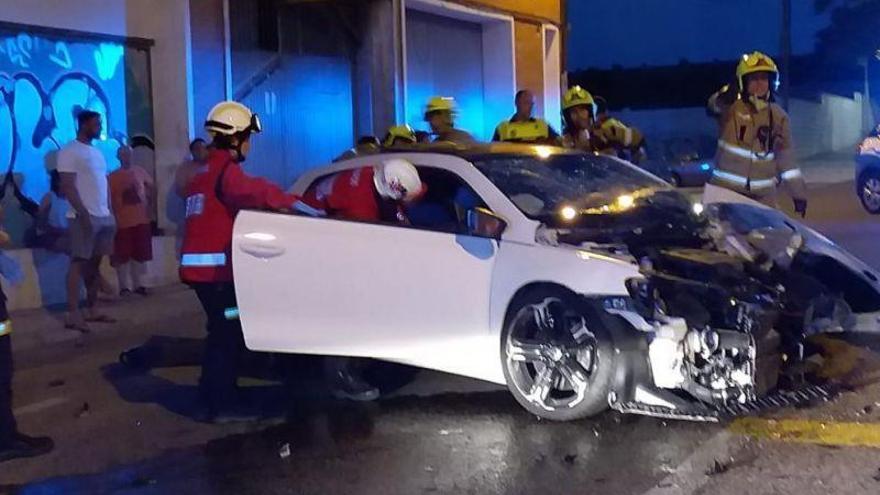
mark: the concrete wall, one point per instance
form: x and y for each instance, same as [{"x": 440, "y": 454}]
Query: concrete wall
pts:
[
  {"x": 45, "y": 271},
  {"x": 166, "y": 22},
  {"x": 529, "y": 61},
  {"x": 208, "y": 58},
  {"x": 833, "y": 123}
]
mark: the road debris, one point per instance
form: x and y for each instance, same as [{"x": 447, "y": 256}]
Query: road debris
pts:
[
  {"x": 717, "y": 468},
  {"x": 284, "y": 451},
  {"x": 570, "y": 458},
  {"x": 84, "y": 411},
  {"x": 56, "y": 383}
]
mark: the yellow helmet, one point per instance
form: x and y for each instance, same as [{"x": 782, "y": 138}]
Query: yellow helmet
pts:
[
  {"x": 440, "y": 104},
  {"x": 577, "y": 96},
  {"x": 755, "y": 62},
  {"x": 402, "y": 131}
]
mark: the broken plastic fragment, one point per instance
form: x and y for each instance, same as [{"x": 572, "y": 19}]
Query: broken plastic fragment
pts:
[
  {"x": 717, "y": 468},
  {"x": 284, "y": 451}
]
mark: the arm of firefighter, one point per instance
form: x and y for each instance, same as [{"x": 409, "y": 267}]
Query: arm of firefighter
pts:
[
  {"x": 721, "y": 100},
  {"x": 246, "y": 191},
  {"x": 786, "y": 168},
  {"x": 620, "y": 135}
]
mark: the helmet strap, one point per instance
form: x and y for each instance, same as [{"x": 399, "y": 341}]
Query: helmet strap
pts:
[{"x": 759, "y": 102}]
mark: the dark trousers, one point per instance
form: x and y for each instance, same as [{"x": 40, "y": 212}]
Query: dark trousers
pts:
[
  {"x": 224, "y": 347},
  {"x": 8, "y": 427}
]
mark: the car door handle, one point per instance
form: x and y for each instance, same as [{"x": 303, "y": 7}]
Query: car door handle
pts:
[{"x": 263, "y": 251}]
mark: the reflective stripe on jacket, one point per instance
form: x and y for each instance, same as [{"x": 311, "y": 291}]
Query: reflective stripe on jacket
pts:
[
  {"x": 207, "y": 242},
  {"x": 755, "y": 151}
]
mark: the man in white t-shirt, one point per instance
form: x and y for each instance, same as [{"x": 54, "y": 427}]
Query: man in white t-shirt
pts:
[{"x": 83, "y": 172}]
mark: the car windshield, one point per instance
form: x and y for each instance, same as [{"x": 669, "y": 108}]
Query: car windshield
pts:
[{"x": 544, "y": 187}]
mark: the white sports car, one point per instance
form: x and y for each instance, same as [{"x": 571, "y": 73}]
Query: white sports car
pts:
[{"x": 579, "y": 281}]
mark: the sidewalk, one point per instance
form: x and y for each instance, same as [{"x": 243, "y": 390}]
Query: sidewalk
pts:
[
  {"x": 69, "y": 386},
  {"x": 828, "y": 168},
  {"x": 38, "y": 328}
]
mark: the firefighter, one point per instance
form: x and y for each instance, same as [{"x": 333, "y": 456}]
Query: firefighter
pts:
[
  {"x": 399, "y": 135},
  {"x": 366, "y": 145},
  {"x": 578, "y": 111},
  {"x": 523, "y": 127},
  {"x": 214, "y": 196},
  {"x": 368, "y": 194},
  {"x": 613, "y": 137},
  {"x": 755, "y": 152},
  {"x": 440, "y": 115}
]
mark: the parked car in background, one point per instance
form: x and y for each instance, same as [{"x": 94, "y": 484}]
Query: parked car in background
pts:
[
  {"x": 868, "y": 172},
  {"x": 683, "y": 162}
]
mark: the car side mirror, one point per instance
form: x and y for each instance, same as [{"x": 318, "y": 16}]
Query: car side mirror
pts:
[{"x": 483, "y": 223}]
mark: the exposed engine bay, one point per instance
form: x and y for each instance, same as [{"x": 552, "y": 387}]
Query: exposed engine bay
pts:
[{"x": 728, "y": 297}]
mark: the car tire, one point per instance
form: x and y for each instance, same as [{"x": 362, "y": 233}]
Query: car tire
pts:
[
  {"x": 557, "y": 356},
  {"x": 869, "y": 191}
]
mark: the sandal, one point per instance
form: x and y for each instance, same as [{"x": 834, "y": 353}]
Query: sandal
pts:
[{"x": 79, "y": 325}]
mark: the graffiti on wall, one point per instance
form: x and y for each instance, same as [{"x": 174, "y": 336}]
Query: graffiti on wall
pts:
[{"x": 44, "y": 84}]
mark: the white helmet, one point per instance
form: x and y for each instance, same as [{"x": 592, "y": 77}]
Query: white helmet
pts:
[
  {"x": 231, "y": 117},
  {"x": 397, "y": 179}
]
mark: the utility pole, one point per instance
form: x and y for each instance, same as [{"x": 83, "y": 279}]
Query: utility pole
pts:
[{"x": 785, "y": 45}]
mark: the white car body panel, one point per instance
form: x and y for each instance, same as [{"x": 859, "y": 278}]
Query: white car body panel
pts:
[
  {"x": 345, "y": 288},
  {"x": 429, "y": 299}
]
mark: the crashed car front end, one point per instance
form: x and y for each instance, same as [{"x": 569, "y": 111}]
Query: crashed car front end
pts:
[{"x": 729, "y": 295}]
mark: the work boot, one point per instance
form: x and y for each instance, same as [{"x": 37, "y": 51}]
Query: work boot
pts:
[
  {"x": 24, "y": 446},
  {"x": 349, "y": 385}
]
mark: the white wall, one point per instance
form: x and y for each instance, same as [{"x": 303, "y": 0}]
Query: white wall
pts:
[
  {"x": 164, "y": 21},
  {"x": 552, "y": 76},
  {"x": 833, "y": 123}
]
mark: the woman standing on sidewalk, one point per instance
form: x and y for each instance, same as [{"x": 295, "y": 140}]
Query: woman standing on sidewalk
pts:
[{"x": 13, "y": 445}]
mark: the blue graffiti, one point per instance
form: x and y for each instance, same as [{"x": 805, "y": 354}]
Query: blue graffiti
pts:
[
  {"x": 35, "y": 122},
  {"x": 46, "y": 84},
  {"x": 107, "y": 58}
]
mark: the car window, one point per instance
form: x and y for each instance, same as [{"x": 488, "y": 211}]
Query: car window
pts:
[
  {"x": 542, "y": 187},
  {"x": 443, "y": 208},
  {"x": 445, "y": 204}
]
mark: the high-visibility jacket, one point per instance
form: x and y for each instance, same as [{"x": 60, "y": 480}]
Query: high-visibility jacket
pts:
[
  {"x": 528, "y": 131},
  {"x": 214, "y": 196},
  {"x": 755, "y": 152},
  {"x": 612, "y": 136}
]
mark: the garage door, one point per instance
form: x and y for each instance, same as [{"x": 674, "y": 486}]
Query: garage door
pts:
[
  {"x": 306, "y": 111},
  {"x": 444, "y": 57}
]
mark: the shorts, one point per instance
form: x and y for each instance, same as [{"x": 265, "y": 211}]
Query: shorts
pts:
[
  {"x": 133, "y": 243},
  {"x": 87, "y": 242}
]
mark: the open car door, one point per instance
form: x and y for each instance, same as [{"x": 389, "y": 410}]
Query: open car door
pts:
[{"x": 333, "y": 287}]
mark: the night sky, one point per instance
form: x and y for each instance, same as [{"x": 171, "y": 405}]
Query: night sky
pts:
[{"x": 653, "y": 32}]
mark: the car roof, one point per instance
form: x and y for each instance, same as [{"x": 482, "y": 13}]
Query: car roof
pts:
[{"x": 480, "y": 151}]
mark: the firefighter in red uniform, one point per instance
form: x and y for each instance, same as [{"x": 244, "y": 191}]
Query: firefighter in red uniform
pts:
[
  {"x": 213, "y": 198},
  {"x": 368, "y": 194}
]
